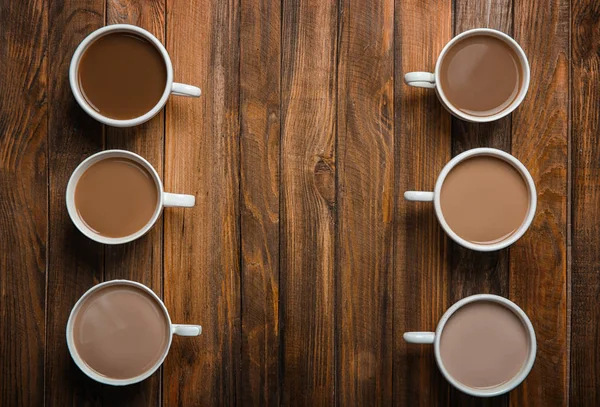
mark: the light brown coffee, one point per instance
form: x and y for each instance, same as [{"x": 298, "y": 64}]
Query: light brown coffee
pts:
[
  {"x": 120, "y": 331},
  {"x": 484, "y": 344},
  {"x": 481, "y": 75},
  {"x": 122, "y": 75},
  {"x": 116, "y": 197},
  {"x": 484, "y": 199}
]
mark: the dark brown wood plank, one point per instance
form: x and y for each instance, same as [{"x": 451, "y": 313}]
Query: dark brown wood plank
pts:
[
  {"x": 422, "y": 148},
  {"x": 202, "y": 255},
  {"x": 75, "y": 263},
  {"x": 24, "y": 200},
  {"x": 260, "y": 53},
  {"x": 585, "y": 155},
  {"x": 308, "y": 201},
  {"x": 473, "y": 272},
  {"x": 140, "y": 260},
  {"x": 365, "y": 150},
  {"x": 538, "y": 262}
]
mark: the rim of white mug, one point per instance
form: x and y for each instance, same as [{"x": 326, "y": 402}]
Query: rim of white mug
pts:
[
  {"x": 525, "y": 369},
  {"x": 72, "y": 184},
  {"x": 522, "y": 92},
  {"x": 92, "y": 374},
  {"x": 74, "y": 67},
  {"x": 526, "y": 177}
]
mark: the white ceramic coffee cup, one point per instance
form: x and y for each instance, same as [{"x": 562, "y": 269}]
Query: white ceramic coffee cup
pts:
[
  {"x": 435, "y": 197},
  {"x": 170, "y": 86},
  {"x": 165, "y": 199},
  {"x": 432, "y": 80},
  {"x": 434, "y": 338},
  {"x": 177, "y": 329}
]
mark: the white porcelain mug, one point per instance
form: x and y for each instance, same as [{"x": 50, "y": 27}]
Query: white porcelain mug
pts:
[
  {"x": 175, "y": 329},
  {"x": 434, "y": 338},
  {"x": 435, "y": 197},
  {"x": 165, "y": 199},
  {"x": 432, "y": 80},
  {"x": 170, "y": 86}
]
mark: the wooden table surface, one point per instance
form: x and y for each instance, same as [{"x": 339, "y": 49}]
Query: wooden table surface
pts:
[{"x": 301, "y": 259}]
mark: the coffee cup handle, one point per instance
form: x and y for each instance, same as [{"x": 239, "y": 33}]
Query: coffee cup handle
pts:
[
  {"x": 421, "y": 196},
  {"x": 178, "y": 200},
  {"x": 187, "y": 330},
  {"x": 181, "y": 89},
  {"x": 419, "y": 337},
  {"x": 420, "y": 79}
]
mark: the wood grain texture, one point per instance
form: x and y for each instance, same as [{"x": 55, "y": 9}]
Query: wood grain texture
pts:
[
  {"x": 202, "y": 255},
  {"x": 140, "y": 260},
  {"x": 365, "y": 150},
  {"x": 538, "y": 262},
  {"x": 474, "y": 272},
  {"x": 301, "y": 259},
  {"x": 75, "y": 263},
  {"x": 585, "y": 155},
  {"x": 422, "y": 148},
  {"x": 24, "y": 200},
  {"x": 260, "y": 53},
  {"x": 308, "y": 201}
]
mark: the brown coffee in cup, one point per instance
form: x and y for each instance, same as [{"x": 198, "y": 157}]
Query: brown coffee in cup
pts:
[
  {"x": 116, "y": 197},
  {"x": 121, "y": 332},
  {"x": 484, "y": 344},
  {"x": 122, "y": 75},
  {"x": 481, "y": 75},
  {"x": 484, "y": 199}
]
